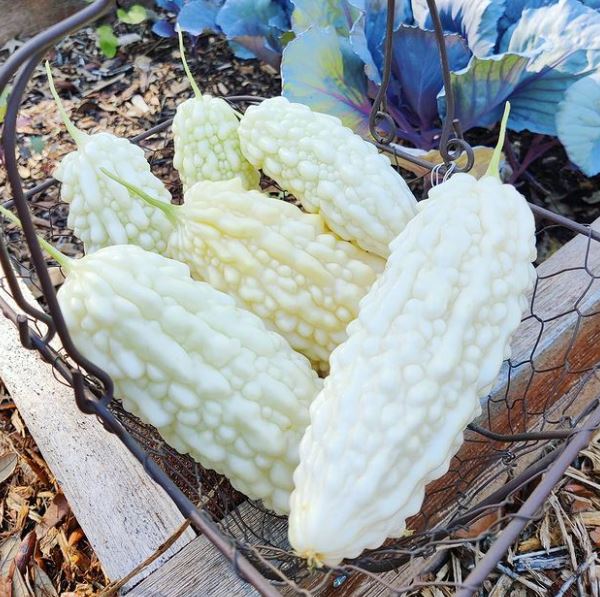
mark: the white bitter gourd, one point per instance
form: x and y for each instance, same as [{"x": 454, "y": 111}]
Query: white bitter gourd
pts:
[
  {"x": 275, "y": 260},
  {"x": 101, "y": 212},
  {"x": 428, "y": 343},
  {"x": 330, "y": 170},
  {"x": 205, "y": 136},
  {"x": 213, "y": 380}
]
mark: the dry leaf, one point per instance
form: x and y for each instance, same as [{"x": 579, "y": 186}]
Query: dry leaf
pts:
[
  {"x": 581, "y": 505},
  {"x": 140, "y": 104},
  {"x": 590, "y": 519},
  {"x": 56, "y": 512},
  {"x": 480, "y": 526},
  {"x": 595, "y": 537},
  {"x": 47, "y": 543},
  {"x": 75, "y": 537},
  {"x": 8, "y": 463},
  {"x": 578, "y": 489},
  {"x": 5, "y": 586},
  {"x": 8, "y": 550},
  {"x": 544, "y": 532},
  {"x": 531, "y": 544},
  {"x": 42, "y": 585},
  {"x": 19, "y": 586},
  {"x": 17, "y": 422},
  {"x": 25, "y": 551}
]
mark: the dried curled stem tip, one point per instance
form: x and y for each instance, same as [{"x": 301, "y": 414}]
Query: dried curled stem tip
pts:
[
  {"x": 494, "y": 167},
  {"x": 313, "y": 559},
  {"x": 78, "y": 136}
]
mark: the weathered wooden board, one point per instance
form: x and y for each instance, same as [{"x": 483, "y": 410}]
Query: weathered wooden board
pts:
[
  {"x": 124, "y": 514},
  {"x": 199, "y": 570}
]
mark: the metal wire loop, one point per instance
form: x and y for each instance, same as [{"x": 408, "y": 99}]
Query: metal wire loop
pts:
[
  {"x": 384, "y": 135},
  {"x": 453, "y": 150},
  {"x": 452, "y": 146},
  {"x": 436, "y": 172},
  {"x": 379, "y": 107}
]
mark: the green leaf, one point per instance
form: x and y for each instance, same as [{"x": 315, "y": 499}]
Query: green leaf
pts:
[
  {"x": 134, "y": 16},
  {"x": 320, "y": 69},
  {"x": 37, "y": 144},
  {"x": 3, "y": 103},
  {"x": 107, "y": 41}
]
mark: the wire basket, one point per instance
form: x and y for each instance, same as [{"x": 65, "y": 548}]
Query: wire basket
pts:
[{"x": 541, "y": 412}]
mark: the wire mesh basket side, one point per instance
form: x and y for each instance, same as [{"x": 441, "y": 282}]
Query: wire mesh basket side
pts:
[{"x": 524, "y": 403}]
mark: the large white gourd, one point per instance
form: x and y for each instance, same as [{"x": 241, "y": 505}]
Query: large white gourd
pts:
[
  {"x": 276, "y": 261},
  {"x": 183, "y": 357},
  {"x": 208, "y": 375},
  {"x": 428, "y": 343},
  {"x": 330, "y": 170}
]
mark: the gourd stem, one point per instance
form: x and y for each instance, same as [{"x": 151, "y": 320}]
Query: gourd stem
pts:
[
  {"x": 186, "y": 68},
  {"x": 494, "y": 166},
  {"x": 167, "y": 208},
  {"x": 77, "y": 135},
  {"x": 65, "y": 262}
]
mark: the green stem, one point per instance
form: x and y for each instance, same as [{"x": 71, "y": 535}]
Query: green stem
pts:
[
  {"x": 65, "y": 262},
  {"x": 494, "y": 166},
  {"x": 186, "y": 68},
  {"x": 77, "y": 135},
  {"x": 167, "y": 208}
]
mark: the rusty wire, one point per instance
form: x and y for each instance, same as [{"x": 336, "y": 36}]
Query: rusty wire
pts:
[
  {"x": 540, "y": 435},
  {"x": 452, "y": 146}
]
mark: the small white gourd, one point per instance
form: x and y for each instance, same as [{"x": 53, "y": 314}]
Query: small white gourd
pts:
[
  {"x": 205, "y": 137},
  {"x": 330, "y": 170},
  {"x": 101, "y": 212}
]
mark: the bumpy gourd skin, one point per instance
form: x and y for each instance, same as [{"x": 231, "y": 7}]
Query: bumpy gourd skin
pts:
[
  {"x": 276, "y": 261},
  {"x": 428, "y": 343},
  {"x": 206, "y": 143},
  {"x": 330, "y": 170},
  {"x": 208, "y": 375},
  {"x": 101, "y": 211}
]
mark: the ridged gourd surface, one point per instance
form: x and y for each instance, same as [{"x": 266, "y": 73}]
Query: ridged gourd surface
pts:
[
  {"x": 207, "y": 374},
  {"x": 428, "y": 343},
  {"x": 330, "y": 170},
  {"x": 101, "y": 211},
  {"x": 276, "y": 261},
  {"x": 206, "y": 142}
]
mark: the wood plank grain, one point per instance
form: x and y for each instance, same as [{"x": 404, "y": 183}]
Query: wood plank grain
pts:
[
  {"x": 124, "y": 514},
  {"x": 199, "y": 570}
]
